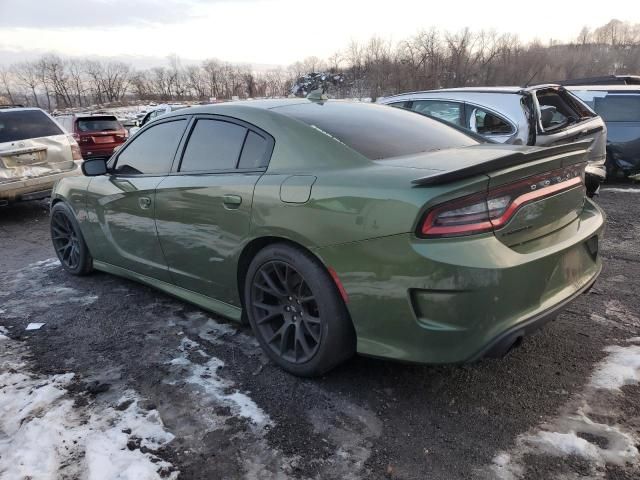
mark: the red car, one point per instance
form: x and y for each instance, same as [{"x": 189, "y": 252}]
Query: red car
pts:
[{"x": 97, "y": 135}]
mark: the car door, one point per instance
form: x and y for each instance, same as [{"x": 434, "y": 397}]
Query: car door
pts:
[
  {"x": 203, "y": 209},
  {"x": 122, "y": 202}
]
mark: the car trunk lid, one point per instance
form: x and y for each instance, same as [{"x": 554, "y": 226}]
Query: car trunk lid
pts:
[
  {"x": 531, "y": 191},
  {"x": 34, "y": 157}
]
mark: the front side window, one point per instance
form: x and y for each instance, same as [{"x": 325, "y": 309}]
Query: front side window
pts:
[
  {"x": 213, "y": 145},
  {"x": 448, "y": 111},
  {"x": 151, "y": 151},
  {"x": 487, "y": 123}
]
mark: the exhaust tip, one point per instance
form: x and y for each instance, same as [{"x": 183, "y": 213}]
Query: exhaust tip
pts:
[{"x": 506, "y": 345}]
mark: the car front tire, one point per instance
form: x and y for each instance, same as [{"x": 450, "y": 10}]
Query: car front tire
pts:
[{"x": 68, "y": 242}]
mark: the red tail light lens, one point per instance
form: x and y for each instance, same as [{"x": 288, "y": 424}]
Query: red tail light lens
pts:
[
  {"x": 492, "y": 210},
  {"x": 76, "y": 154}
]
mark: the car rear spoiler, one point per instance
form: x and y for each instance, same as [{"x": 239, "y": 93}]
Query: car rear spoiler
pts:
[{"x": 506, "y": 161}]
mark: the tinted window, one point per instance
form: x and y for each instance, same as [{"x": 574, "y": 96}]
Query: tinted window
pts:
[
  {"x": 98, "y": 124},
  {"x": 400, "y": 104},
  {"x": 378, "y": 131},
  {"x": 151, "y": 151},
  {"x": 213, "y": 145},
  {"x": 24, "y": 124},
  {"x": 254, "y": 152},
  {"x": 618, "y": 108},
  {"x": 448, "y": 111},
  {"x": 486, "y": 123}
]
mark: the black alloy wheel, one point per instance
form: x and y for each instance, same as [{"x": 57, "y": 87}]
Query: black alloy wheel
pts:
[
  {"x": 65, "y": 240},
  {"x": 296, "y": 311},
  {"x": 286, "y": 312},
  {"x": 68, "y": 241}
]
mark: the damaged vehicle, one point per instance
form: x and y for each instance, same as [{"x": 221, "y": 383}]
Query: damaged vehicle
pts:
[
  {"x": 425, "y": 244},
  {"x": 542, "y": 115},
  {"x": 35, "y": 152},
  {"x": 619, "y": 107}
]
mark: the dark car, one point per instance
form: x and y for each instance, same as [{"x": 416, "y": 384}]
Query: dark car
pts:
[
  {"x": 619, "y": 107},
  {"x": 98, "y": 135}
]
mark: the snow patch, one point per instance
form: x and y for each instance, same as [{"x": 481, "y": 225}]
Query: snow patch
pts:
[
  {"x": 34, "y": 291},
  {"x": 576, "y": 433},
  {"x": 204, "y": 378},
  {"x": 620, "y": 367},
  {"x": 621, "y": 190},
  {"x": 45, "y": 437}
]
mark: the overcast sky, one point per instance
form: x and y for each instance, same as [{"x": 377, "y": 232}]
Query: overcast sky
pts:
[{"x": 272, "y": 31}]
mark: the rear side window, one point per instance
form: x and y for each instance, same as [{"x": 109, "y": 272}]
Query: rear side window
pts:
[
  {"x": 448, "y": 111},
  {"x": 213, "y": 145},
  {"x": 25, "y": 124},
  {"x": 618, "y": 108},
  {"x": 151, "y": 151},
  {"x": 254, "y": 153},
  {"x": 487, "y": 123},
  {"x": 378, "y": 131},
  {"x": 98, "y": 124}
]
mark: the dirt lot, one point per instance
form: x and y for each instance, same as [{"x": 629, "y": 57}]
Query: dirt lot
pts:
[{"x": 124, "y": 380}]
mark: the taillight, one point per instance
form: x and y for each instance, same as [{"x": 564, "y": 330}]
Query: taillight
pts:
[
  {"x": 492, "y": 210},
  {"x": 76, "y": 154}
]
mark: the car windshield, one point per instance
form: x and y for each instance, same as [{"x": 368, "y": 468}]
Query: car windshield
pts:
[
  {"x": 98, "y": 124},
  {"x": 24, "y": 124},
  {"x": 378, "y": 131}
]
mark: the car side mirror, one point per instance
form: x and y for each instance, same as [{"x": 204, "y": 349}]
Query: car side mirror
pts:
[{"x": 94, "y": 167}]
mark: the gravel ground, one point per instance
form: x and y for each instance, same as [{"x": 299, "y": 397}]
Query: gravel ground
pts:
[{"x": 154, "y": 383}]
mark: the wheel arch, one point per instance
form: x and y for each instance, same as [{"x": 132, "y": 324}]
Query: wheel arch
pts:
[{"x": 252, "y": 248}]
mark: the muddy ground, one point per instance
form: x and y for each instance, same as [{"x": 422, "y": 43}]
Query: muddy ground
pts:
[{"x": 566, "y": 404}]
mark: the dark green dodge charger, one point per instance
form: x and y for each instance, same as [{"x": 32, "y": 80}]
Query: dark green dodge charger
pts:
[{"x": 338, "y": 227}]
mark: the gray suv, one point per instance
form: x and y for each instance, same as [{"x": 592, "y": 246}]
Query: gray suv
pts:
[{"x": 542, "y": 115}]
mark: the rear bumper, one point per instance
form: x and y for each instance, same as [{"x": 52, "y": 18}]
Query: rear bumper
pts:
[
  {"x": 98, "y": 152},
  {"x": 504, "y": 342},
  {"x": 455, "y": 300},
  {"x": 36, "y": 187}
]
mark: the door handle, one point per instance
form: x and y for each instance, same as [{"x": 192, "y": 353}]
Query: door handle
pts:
[
  {"x": 231, "y": 201},
  {"x": 144, "y": 202}
]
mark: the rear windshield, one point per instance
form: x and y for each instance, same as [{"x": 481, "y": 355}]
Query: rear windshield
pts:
[
  {"x": 612, "y": 107},
  {"x": 25, "y": 124},
  {"x": 378, "y": 131},
  {"x": 98, "y": 124}
]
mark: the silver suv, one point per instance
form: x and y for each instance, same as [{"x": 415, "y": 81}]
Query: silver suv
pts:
[
  {"x": 542, "y": 115},
  {"x": 35, "y": 152}
]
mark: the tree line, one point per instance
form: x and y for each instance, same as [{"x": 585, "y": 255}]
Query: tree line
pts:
[{"x": 430, "y": 59}]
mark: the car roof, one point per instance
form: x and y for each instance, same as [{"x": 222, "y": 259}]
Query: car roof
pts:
[
  {"x": 605, "y": 88},
  {"x": 14, "y": 109},
  {"x": 266, "y": 104},
  {"x": 509, "y": 89}
]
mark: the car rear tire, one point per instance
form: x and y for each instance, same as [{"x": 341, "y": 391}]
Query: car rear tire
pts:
[
  {"x": 296, "y": 311},
  {"x": 68, "y": 242}
]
